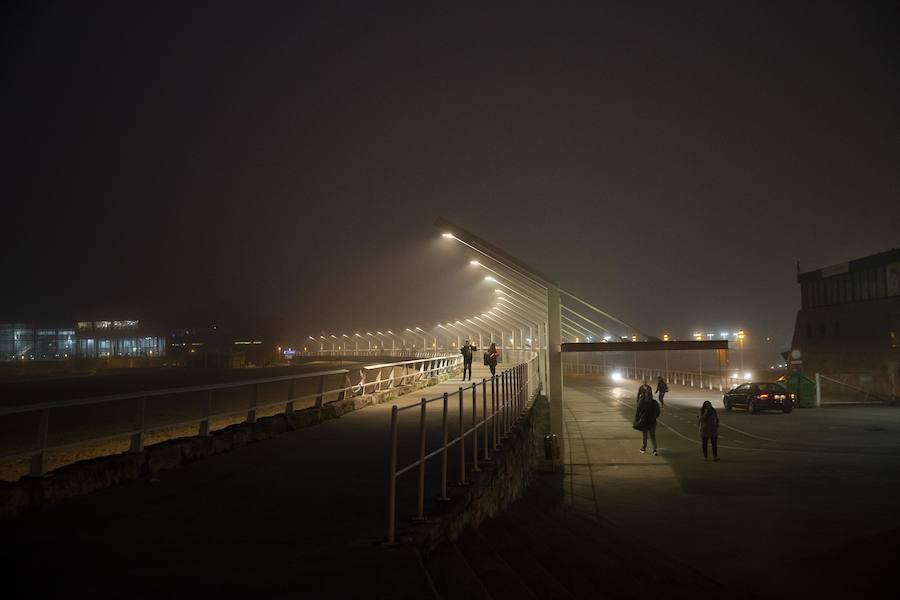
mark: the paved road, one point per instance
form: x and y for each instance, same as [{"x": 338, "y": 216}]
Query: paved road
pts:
[{"x": 801, "y": 503}]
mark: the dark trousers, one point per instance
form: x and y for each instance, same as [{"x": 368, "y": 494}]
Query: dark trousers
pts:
[
  {"x": 661, "y": 395},
  {"x": 493, "y": 369},
  {"x": 467, "y": 366},
  {"x": 714, "y": 439}
]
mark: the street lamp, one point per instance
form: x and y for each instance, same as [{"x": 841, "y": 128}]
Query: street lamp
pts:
[
  {"x": 321, "y": 347},
  {"x": 369, "y": 334},
  {"x": 740, "y": 335}
]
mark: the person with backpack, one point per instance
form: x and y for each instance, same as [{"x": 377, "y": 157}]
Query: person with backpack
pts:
[
  {"x": 708, "y": 424},
  {"x": 468, "y": 350},
  {"x": 662, "y": 388},
  {"x": 646, "y": 415}
]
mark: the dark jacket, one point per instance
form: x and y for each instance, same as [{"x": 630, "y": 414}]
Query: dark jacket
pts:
[
  {"x": 491, "y": 358},
  {"x": 467, "y": 352},
  {"x": 708, "y": 423},
  {"x": 662, "y": 387},
  {"x": 647, "y": 412}
]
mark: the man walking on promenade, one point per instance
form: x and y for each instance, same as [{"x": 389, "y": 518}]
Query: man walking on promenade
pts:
[
  {"x": 467, "y": 351},
  {"x": 662, "y": 388}
]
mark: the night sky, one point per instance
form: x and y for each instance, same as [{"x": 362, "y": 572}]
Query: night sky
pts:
[{"x": 668, "y": 161}]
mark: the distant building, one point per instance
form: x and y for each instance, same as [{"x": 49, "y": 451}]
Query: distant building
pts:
[
  {"x": 237, "y": 341},
  {"x": 87, "y": 339},
  {"x": 20, "y": 341},
  {"x": 123, "y": 338},
  {"x": 849, "y": 321}
]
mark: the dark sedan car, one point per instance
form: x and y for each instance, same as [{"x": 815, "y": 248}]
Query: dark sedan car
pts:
[{"x": 759, "y": 395}]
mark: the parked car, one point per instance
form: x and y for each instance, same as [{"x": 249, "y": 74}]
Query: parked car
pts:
[{"x": 759, "y": 395}]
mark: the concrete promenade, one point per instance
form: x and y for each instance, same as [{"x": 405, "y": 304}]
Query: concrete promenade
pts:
[
  {"x": 302, "y": 515},
  {"x": 801, "y": 504}
]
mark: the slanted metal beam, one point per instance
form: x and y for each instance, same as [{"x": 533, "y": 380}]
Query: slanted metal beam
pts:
[{"x": 643, "y": 346}]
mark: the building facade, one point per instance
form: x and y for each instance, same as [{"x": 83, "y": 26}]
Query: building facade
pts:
[
  {"x": 87, "y": 339},
  {"x": 849, "y": 321}
]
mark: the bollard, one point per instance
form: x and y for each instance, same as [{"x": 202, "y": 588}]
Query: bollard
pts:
[{"x": 551, "y": 447}]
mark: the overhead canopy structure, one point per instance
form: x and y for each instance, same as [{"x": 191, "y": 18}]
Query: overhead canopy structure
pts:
[{"x": 644, "y": 346}]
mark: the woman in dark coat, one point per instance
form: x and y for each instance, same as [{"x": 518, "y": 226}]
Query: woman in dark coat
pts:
[
  {"x": 646, "y": 415},
  {"x": 491, "y": 358},
  {"x": 708, "y": 423}
]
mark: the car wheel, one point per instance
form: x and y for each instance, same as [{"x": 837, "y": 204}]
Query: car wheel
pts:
[
  {"x": 786, "y": 409},
  {"x": 727, "y": 405},
  {"x": 751, "y": 407}
]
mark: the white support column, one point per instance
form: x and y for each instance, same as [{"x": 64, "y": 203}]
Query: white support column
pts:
[{"x": 554, "y": 355}]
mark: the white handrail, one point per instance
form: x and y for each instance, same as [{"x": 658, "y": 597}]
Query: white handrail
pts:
[{"x": 438, "y": 364}]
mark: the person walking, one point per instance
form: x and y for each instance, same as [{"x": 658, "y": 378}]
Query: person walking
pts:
[
  {"x": 468, "y": 350},
  {"x": 708, "y": 423},
  {"x": 490, "y": 358},
  {"x": 662, "y": 388},
  {"x": 646, "y": 415}
]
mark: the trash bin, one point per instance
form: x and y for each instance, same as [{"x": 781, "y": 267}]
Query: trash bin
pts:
[
  {"x": 551, "y": 447},
  {"x": 803, "y": 387}
]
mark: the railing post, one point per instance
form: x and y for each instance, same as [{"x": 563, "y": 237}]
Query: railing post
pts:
[
  {"x": 421, "y": 515},
  {"x": 39, "y": 458},
  {"x": 392, "y": 477},
  {"x": 207, "y": 410},
  {"x": 504, "y": 395},
  {"x": 462, "y": 442},
  {"x": 254, "y": 400},
  {"x": 289, "y": 407},
  {"x": 484, "y": 418},
  {"x": 494, "y": 411},
  {"x": 320, "y": 393},
  {"x": 443, "y": 497},
  {"x": 475, "y": 468},
  {"x": 137, "y": 439}
]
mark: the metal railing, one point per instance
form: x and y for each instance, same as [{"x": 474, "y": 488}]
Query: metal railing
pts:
[
  {"x": 373, "y": 379},
  {"x": 369, "y": 353},
  {"x": 505, "y": 398},
  {"x": 686, "y": 378}
]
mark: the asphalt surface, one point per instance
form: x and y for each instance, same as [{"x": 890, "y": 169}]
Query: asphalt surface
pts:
[
  {"x": 301, "y": 515},
  {"x": 800, "y": 504}
]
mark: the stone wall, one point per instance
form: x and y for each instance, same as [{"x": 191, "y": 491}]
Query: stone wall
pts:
[{"x": 88, "y": 476}]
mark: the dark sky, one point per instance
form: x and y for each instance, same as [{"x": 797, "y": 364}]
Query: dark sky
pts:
[{"x": 668, "y": 161}]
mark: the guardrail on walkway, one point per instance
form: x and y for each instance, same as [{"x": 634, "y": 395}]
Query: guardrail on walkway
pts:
[
  {"x": 511, "y": 393},
  {"x": 373, "y": 378},
  {"x": 685, "y": 378}
]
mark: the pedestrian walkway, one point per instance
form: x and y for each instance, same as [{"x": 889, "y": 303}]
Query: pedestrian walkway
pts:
[{"x": 302, "y": 514}]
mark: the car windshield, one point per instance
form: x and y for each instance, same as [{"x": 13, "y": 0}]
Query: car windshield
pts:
[{"x": 771, "y": 387}]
